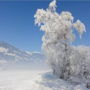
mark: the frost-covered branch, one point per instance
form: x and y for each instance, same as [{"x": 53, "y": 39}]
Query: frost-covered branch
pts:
[{"x": 58, "y": 28}]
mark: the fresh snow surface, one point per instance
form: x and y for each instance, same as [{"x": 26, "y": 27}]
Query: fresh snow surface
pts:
[
  {"x": 18, "y": 80},
  {"x": 48, "y": 81},
  {"x": 34, "y": 80}
]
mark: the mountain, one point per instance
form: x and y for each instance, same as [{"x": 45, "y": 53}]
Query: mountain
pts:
[{"x": 10, "y": 56}]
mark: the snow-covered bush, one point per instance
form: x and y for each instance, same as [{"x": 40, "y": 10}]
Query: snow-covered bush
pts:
[
  {"x": 80, "y": 62},
  {"x": 77, "y": 60},
  {"x": 58, "y": 36}
]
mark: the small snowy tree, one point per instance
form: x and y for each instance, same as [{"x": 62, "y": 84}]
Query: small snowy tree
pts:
[{"x": 58, "y": 36}]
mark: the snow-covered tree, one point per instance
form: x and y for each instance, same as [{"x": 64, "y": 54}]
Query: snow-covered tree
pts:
[
  {"x": 58, "y": 36},
  {"x": 80, "y": 64}
]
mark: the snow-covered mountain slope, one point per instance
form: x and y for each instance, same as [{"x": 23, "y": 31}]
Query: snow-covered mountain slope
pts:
[{"x": 12, "y": 56}]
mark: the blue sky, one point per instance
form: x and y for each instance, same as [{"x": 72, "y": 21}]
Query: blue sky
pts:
[{"x": 17, "y": 22}]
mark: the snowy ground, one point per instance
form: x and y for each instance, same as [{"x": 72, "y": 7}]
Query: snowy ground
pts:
[
  {"x": 18, "y": 79},
  {"x": 48, "y": 81},
  {"x": 34, "y": 80}
]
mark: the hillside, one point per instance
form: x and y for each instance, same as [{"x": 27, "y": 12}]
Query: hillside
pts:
[{"x": 12, "y": 57}]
